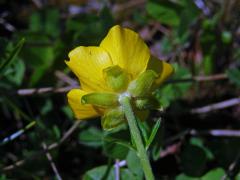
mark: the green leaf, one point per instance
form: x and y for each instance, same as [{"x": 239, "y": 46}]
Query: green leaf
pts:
[
  {"x": 99, "y": 173},
  {"x": 216, "y": 173},
  {"x": 164, "y": 12},
  {"x": 193, "y": 160},
  {"x": 45, "y": 21},
  {"x": 208, "y": 65},
  {"x": 133, "y": 163},
  {"x": 115, "y": 149},
  {"x": 39, "y": 55},
  {"x": 139, "y": 17},
  {"x": 188, "y": 16},
  {"x": 47, "y": 107},
  {"x": 4, "y": 42},
  {"x": 42, "y": 43},
  {"x": 224, "y": 150},
  {"x": 16, "y": 73},
  {"x": 57, "y": 132},
  {"x": 11, "y": 104},
  {"x": 153, "y": 133},
  {"x": 35, "y": 22},
  {"x": 67, "y": 111},
  {"x": 3, "y": 177},
  {"x": 106, "y": 17},
  {"x": 234, "y": 76},
  {"x": 52, "y": 23},
  {"x": 119, "y": 141},
  {"x": 91, "y": 137},
  {"x": 170, "y": 92},
  {"x": 155, "y": 150},
  {"x": 12, "y": 56},
  {"x": 143, "y": 127},
  {"x": 116, "y": 144},
  {"x": 89, "y": 28},
  {"x": 185, "y": 177},
  {"x": 238, "y": 176},
  {"x": 226, "y": 37},
  {"x": 46, "y": 57},
  {"x": 126, "y": 174},
  {"x": 199, "y": 142},
  {"x": 213, "y": 174}
]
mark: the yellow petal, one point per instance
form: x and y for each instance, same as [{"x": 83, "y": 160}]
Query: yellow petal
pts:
[
  {"x": 87, "y": 63},
  {"x": 163, "y": 69},
  {"x": 127, "y": 50},
  {"x": 81, "y": 111}
]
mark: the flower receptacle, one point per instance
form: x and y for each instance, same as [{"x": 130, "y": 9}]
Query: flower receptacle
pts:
[{"x": 116, "y": 78}]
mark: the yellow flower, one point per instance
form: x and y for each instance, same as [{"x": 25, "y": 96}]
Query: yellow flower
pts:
[{"x": 120, "y": 64}]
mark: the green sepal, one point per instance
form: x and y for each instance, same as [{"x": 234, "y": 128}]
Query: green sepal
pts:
[
  {"x": 101, "y": 99},
  {"x": 116, "y": 78},
  {"x": 146, "y": 103},
  {"x": 141, "y": 86},
  {"x": 112, "y": 118}
]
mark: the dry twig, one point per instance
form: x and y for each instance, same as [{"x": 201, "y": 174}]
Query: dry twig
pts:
[
  {"x": 117, "y": 9},
  {"x": 33, "y": 91},
  {"x": 216, "y": 77},
  {"x": 232, "y": 169},
  {"x": 216, "y": 106},
  {"x": 66, "y": 79},
  {"x": 216, "y": 133},
  {"x": 50, "y": 147},
  {"x": 49, "y": 157}
]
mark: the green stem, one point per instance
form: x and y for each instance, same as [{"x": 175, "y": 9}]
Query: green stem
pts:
[{"x": 126, "y": 104}]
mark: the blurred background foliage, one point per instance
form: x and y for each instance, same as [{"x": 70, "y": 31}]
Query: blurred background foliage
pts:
[{"x": 200, "y": 38}]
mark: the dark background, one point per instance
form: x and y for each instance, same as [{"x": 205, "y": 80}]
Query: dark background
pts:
[{"x": 200, "y": 38}]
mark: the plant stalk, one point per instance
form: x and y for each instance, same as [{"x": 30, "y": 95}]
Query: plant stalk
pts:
[{"x": 125, "y": 101}]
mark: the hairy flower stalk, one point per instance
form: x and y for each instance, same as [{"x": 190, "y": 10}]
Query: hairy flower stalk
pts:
[
  {"x": 117, "y": 78},
  {"x": 125, "y": 101}
]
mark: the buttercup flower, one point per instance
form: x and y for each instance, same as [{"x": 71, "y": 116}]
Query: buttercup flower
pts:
[{"x": 120, "y": 65}]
